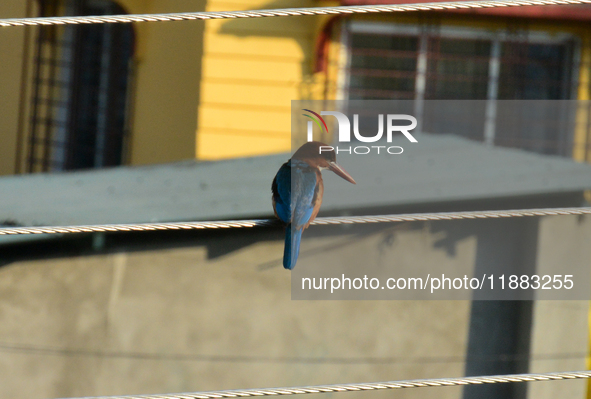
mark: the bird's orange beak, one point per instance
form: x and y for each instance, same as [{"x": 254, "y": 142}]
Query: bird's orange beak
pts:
[{"x": 341, "y": 172}]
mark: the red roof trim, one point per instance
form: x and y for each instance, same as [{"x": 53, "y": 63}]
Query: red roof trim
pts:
[{"x": 558, "y": 12}]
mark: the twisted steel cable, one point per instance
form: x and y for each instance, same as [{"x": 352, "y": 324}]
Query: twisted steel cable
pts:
[
  {"x": 409, "y": 217},
  {"x": 439, "y": 382},
  {"x": 454, "y": 5},
  {"x": 205, "y": 15}
]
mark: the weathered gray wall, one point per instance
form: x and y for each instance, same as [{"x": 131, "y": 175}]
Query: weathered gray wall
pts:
[
  {"x": 233, "y": 315},
  {"x": 177, "y": 302},
  {"x": 561, "y": 326}
]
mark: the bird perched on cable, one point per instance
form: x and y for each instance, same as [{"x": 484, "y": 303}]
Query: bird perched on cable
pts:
[{"x": 297, "y": 192}]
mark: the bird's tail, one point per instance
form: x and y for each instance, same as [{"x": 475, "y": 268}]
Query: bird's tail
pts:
[{"x": 292, "y": 247}]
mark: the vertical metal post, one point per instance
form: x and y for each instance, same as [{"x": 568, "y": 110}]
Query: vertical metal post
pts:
[
  {"x": 52, "y": 93},
  {"x": 343, "y": 64},
  {"x": 103, "y": 98},
  {"x": 494, "y": 69},
  {"x": 36, "y": 89},
  {"x": 421, "y": 79},
  {"x": 23, "y": 94}
]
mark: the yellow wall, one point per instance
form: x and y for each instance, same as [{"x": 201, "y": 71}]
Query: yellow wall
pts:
[
  {"x": 581, "y": 151},
  {"x": 167, "y": 76},
  {"x": 235, "y": 100},
  {"x": 252, "y": 69},
  {"x": 12, "y": 49}
]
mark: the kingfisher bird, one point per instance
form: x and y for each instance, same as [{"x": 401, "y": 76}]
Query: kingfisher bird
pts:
[{"x": 297, "y": 192}]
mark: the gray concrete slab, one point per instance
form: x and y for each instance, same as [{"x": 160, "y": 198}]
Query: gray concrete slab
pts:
[{"x": 440, "y": 168}]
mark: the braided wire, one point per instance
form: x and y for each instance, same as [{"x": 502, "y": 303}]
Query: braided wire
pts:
[
  {"x": 206, "y": 15},
  {"x": 450, "y": 5},
  {"x": 409, "y": 217},
  {"x": 439, "y": 382}
]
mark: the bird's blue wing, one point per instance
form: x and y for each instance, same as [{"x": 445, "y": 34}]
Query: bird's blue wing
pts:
[
  {"x": 282, "y": 193},
  {"x": 294, "y": 192},
  {"x": 304, "y": 184}
]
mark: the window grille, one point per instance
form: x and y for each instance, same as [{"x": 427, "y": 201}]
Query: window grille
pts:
[
  {"x": 80, "y": 90},
  {"x": 390, "y": 61}
]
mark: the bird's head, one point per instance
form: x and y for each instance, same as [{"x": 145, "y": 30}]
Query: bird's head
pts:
[{"x": 322, "y": 156}]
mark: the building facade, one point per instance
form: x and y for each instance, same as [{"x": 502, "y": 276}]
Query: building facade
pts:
[
  {"x": 106, "y": 95},
  {"x": 116, "y": 314}
]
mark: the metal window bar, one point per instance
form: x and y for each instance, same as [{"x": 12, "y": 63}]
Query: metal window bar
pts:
[
  {"x": 461, "y": 63},
  {"x": 80, "y": 96},
  {"x": 44, "y": 91}
]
